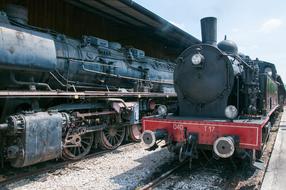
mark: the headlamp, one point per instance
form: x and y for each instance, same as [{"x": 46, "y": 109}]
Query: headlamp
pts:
[
  {"x": 268, "y": 71},
  {"x": 197, "y": 59},
  {"x": 231, "y": 112},
  {"x": 162, "y": 110}
]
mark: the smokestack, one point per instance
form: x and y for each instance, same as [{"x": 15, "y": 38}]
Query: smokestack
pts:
[{"x": 209, "y": 30}]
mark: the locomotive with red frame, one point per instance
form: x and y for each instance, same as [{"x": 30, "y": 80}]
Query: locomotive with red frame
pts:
[{"x": 227, "y": 102}]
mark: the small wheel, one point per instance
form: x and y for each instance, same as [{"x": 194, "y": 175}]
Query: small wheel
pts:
[
  {"x": 135, "y": 132},
  {"x": 77, "y": 146},
  {"x": 112, "y": 137}
]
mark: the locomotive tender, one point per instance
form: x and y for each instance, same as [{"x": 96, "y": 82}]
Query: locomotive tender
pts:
[
  {"x": 227, "y": 102},
  {"x": 61, "y": 96}
]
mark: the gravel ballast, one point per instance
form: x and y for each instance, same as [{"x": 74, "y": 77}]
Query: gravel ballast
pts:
[
  {"x": 126, "y": 168},
  {"x": 130, "y": 167},
  {"x": 194, "y": 180}
]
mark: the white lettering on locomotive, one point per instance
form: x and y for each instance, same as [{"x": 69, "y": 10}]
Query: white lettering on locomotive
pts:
[
  {"x": 209, "y": 129},
  {"x": 178, "y": 126}
]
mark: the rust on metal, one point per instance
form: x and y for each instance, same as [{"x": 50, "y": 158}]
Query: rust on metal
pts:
[{"x": 83, "y": 115}]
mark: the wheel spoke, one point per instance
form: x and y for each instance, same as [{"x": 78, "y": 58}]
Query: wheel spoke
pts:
[
  {"x": 86, "y": 138},
  {"x": 78, "y": 149},
  {"x": 74, "y": 150},
  {"x": 84, "y": 149},
  {"x": 111, "y": 141},
  {"x": 107, "y": 135},
  {"x": 118, "y": 135},
  {"x": 111, "y": 138},
  {"x": 114, "y": 141},
  {"x": 75, "y": 153},
  {"x": 117, "y": 140},
  {"x": 84, "y": 142}
]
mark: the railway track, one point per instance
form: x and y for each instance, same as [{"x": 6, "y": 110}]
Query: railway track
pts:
[
  {"x": 229, "y": 177},
  {"x": 230, "y": 174},
  {"x": 160, "y": 179},
  {"x": 49, "y": 167}
]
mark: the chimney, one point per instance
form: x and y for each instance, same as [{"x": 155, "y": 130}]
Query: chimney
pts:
[{"x": 209, "y": 30}]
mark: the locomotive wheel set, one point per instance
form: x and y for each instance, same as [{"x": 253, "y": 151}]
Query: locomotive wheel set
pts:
[
  {"x": 227, "y": 102},
  {"x": 61, "y": 97}
]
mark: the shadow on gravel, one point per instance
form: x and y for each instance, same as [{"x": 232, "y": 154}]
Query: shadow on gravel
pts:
[
  {"x": 233, "y": 175},
  {"x": 206, "y": 173},
  {"x": 49, "y": 170},
  {"x": 159, "y": 162}
]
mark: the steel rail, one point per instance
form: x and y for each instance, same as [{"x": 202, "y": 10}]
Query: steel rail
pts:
[{"x": 163, "y": 177}]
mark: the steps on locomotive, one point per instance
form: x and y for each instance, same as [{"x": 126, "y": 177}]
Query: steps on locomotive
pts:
[{"x": 275, "y": 174}]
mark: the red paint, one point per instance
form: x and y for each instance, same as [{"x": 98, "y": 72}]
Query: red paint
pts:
[
  {"x": 208, "y": 131},
  {"x": 250, "y": 134}
]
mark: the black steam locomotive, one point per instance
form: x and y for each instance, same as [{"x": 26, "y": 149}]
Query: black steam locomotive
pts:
[
  {"x": 227, "y": 101},
  {"x": 61, "y": 96},
  {"x": 220, "y": 76}
]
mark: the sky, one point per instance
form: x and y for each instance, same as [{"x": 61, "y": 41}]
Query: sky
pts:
[{"x": 257, "y": 26}]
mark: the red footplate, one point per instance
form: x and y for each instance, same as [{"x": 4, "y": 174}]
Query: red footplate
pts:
[{"x": 248, "y": 133}]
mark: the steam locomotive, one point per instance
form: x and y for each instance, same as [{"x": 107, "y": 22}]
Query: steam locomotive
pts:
[
  {"x": 60, "y": 97},
  {"x": 227, "y": 102}
]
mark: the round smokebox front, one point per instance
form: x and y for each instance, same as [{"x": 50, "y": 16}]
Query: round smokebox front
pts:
[{"x": 203, "y": 80}]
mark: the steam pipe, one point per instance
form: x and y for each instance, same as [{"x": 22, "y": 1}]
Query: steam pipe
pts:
[{"x": 15, "y": 81}]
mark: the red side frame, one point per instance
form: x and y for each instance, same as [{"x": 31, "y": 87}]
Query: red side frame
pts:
[{"x": 250, "y": 134}]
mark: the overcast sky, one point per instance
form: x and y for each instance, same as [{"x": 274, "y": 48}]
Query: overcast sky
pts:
[{"x": 257, "y": 26}]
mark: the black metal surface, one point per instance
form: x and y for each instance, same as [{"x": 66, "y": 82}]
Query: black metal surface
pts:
[
  {"x": 203, "y": 90},
  {"x": 228, "y": 47},
  {"x": 42, "y": 69},
  {"x": 90, "y": 63},
  {"x": 224, "y": 77},
  {"x": 249, "y": 120},
  {"x": 40, "y": 136},
  {"x": 209, "y": 30},
  {"x": 78, "y": 95},
  {"x": 22, "y": 49}
]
